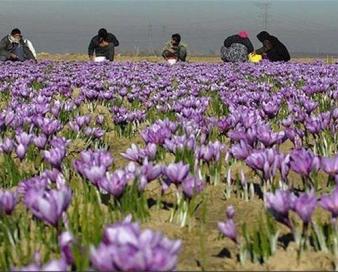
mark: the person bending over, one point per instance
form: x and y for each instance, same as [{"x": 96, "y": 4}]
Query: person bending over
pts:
[
  {"x": 174, "y": 51},
  {"x": 272, "y": 49},
  {"x": 236, "y": 48},
  {"x": 102, "y": 46},
  {"x": 14, "y": 47}
]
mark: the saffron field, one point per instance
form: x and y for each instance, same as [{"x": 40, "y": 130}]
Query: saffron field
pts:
[{"x": 141, "y": 166}]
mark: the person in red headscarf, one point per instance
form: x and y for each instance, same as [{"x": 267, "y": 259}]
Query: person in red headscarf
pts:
[{"x": 237, "y": 47}]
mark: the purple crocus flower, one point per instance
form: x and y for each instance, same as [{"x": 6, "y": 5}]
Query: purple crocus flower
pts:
[
  {"x": 50, "y": 205},
  {"x": 40, "y": 141},
  {"x": 93, "y": 164},
  {"x": 330, "y": 202},
  {"x": 101, "y": 258},
  {"x": 241, "y": 151},
  {"x": 269, "y": 138},
  {"x": 309, "y": 105},
  {"x": 24, "y": 139},
  {"x": 53, "y": 265},
  {"x": 35, "y": 183},
  {"x": 83, "y": 120},
  {"x": 303, "y": 162},
  {"x": 94, "y": 173},
  {"x": 9, "y": 117},
  {"x": 54, "y": 156},
  {"x": 7, "y": 145},
  {"x": 228, "y": 229},
  {"x": 56, "y": 108},
  {"x": 74, "y": 126},
  {"x": 267, "y": 161},
  {"x": 21, "y": 151},
  {"x": 126, "y": 248},
  {"x": 150, "y": 171},
  {"x": 176, "y": 172},
  {"x": 65, "y": 242},
  {"x": 8, "y": 202},
  {"x": 225, "y": 124},
  {"x": 271, "y": 108},
  {"x": 134, "y": 153},
  {"x": 50, "y": 127},
  {"x": 150, "y": 151},
  {"x": 99, "y": 119},
  {"x": 304, "y": 205},
  {"x": 279, "y": 204},
  {"x": 131, "y": 170},
  {"x": 120, "y": 232},
  {"x": 158, "y": 132},
  {"x": 54, "y": 175},
  {"x": 59, "y": 142},
  {"x": 210, "y": 152},
  {"x": 114, "y": 183},
  {"x": 192, "y": 185},
  {"x": 230, "y": 212},
  {"x": 287, "y": 122},
  {"x": 94, "y": 132},
  {"x": 330, "y": 165},
  {"x": 285, "y": 167}
]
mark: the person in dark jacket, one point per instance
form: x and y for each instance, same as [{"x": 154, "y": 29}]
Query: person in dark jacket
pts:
[
  {"x": 14, "y": 47},
  {"x": 237, "y": 48},
  {"x": 174, "y": 50},
  {"x": 272, "y": 49},
  {"x": 103, "y": 45}
]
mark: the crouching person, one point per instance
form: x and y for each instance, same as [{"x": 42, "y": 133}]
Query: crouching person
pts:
[
  {"x": 174, "y": 51},
  {"x": 102, "y": 46},
  {"x": 237, "y": 48},
  {"x": 273, "y": 49},
  {"x": 14, "y": 47}
]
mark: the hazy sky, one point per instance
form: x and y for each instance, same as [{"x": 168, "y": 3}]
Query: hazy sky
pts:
[{"x": 67, "y": 25}]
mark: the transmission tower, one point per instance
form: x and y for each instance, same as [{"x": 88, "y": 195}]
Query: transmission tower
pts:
[{"x": 264, "y": 7}]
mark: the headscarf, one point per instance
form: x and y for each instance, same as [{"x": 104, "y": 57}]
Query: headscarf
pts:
[
  {"x": 243, "y": 34},
  {"x": 262, "y": 36}
]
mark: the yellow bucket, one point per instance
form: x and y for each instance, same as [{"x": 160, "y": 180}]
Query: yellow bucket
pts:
[{"x": 255, "y": 58}]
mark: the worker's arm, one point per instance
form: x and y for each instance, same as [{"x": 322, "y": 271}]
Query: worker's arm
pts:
[
  {"x": 3, "y": 49},
  {"x": 91, "y": 49}
]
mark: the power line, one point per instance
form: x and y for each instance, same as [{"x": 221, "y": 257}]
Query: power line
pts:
[
  {"x": 265, "y": 12},
  {"x": 150, "y": 37}
]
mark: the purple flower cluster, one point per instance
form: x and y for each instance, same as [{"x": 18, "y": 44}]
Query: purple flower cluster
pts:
[
  {"x": 210, "y": 152},
  {"x": 123, "y": 116},
  {"x": 8, "y": 201},
  {"x": 125, "y": 247},
  {"x": 281, "y": 202},
  {"x": 228, "y": 228},
  {"x": 138, "y": 155},
  {"x": 159, "y": 132},
  {"x": 93, "y": 165},
  {"x": 178, "y": 174},
  {"x": 48, "y": 205}
]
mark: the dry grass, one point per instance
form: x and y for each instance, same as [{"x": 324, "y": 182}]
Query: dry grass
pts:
[{"x": 124, "y": 58}]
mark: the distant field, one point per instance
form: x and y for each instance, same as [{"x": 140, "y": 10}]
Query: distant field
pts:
[{"x": 123, "y": 58}]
